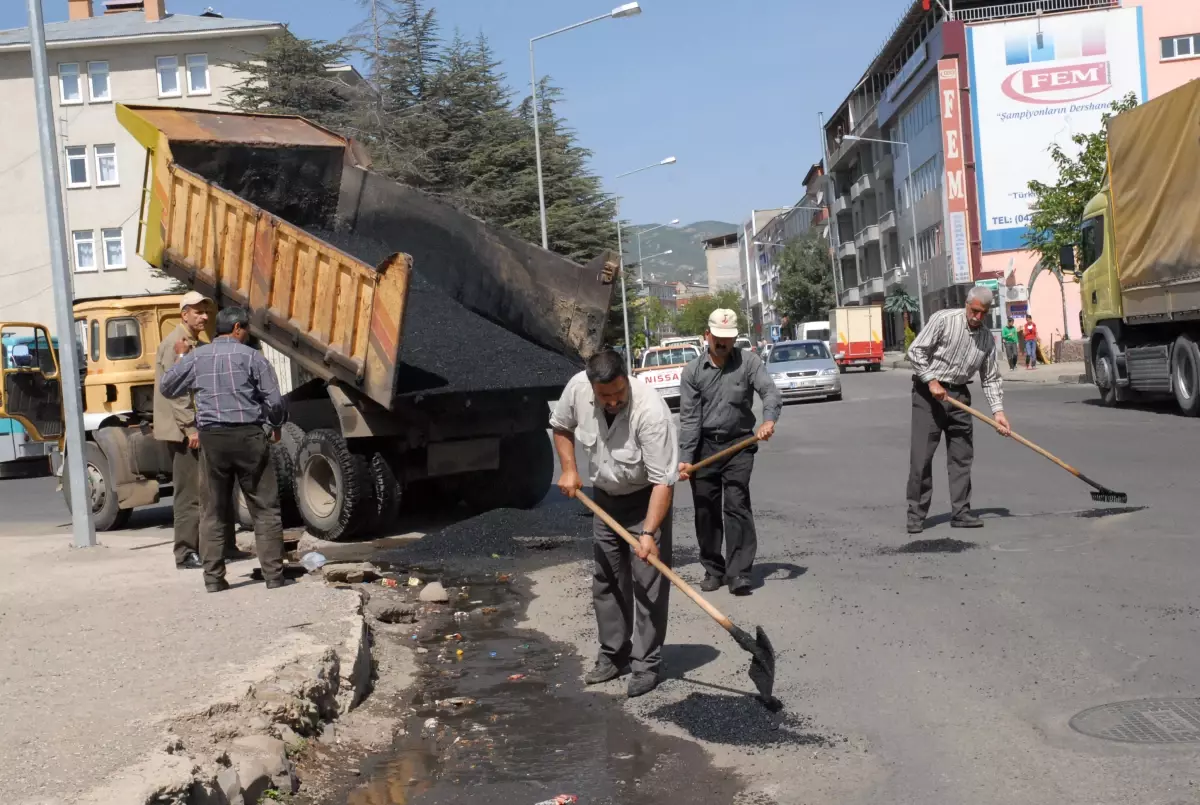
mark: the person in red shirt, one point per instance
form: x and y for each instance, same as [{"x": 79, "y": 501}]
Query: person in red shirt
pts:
[{"x": 1031, "y": 339}]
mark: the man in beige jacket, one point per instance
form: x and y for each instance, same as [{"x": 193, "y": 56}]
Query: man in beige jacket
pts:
[{"x": 175, "y": 424}]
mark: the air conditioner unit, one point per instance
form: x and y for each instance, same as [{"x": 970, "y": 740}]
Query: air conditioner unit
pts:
[{"x": 1016, "y": 293}]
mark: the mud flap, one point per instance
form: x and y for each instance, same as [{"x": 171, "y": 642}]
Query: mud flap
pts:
[{"x": 132, "y": 489}]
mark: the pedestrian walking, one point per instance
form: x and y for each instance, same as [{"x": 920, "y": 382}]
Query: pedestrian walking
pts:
[
  {"x": 175, "y": 424},
  {"x": 1031, "y": 342},
  {"x": 626, "y": 431},
  {"x": 236, "y": 396},
  {"x": 715, "y": 410},
  {"x": 1010, "y": 338},
  {"x": 953, "y": 347}
]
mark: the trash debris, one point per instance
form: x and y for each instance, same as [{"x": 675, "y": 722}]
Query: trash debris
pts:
[
  {"x": 434, "y": 593},
  {"x": 455, "y": 636},
  {"x": 313, "y": 561},
  {"x": 495, "y": 556},
  {"x": 461, "y": 616},
  {"x": 389, "y": 583},
  {"x": 492, "y": 654},
  {"x": 431, "y": 724},
  {"x": 475, "y": 603},
  {"x": 561, "y": 799},
  {"x": 413, "y": 581},
  {"x": 502, "y": 577},
  {"x": 516, "y": 677},
  {"x": 422, "y": 650},
  {"x": 490, "y": 610},
  {"x": 456, "y": 702},
  {"x": 459, "y": 652}
]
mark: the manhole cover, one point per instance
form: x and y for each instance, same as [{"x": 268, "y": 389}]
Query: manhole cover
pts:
[{"x": 1146, "y": 721}]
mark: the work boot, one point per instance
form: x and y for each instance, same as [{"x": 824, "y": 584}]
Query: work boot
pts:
[
  {"x": 711, "y": 583},
  {"x": 191, "y": 561},
  {"x": 235, "y": 554},
  {"x": 216, "y": 586},
  {"x": 641, "y": 683},
  {"x": 966, "y": 521},
  {"x": 275, "y": 584},
  {"x": 916, "y": 528},
  {"x": 604, "y": 671},
  {"x": 740, "y": 585}
]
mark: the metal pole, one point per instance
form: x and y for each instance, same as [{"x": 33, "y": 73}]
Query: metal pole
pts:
[
  {"x": 642, "y": 283},
  {"x": 829, "y": 190},
  {"x": 537, "y": 147},
  {"x": 749, "y": 289},
  {"x": 912, "y": 211},
  {"x": 82, "y": 527},
  {"x": 624, "y": 305}
]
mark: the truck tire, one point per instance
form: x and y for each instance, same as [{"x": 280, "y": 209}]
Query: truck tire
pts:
[
  {"x": 388, "y": 496},
  {"x": 1104, "y": 369},
  {"x": 334, "y": 488},
  {"x": 522, "y": 480},
  {"x": 106, "y": 512},
  {"x": 291, "y": 436},
  {"x": 1185, "y": 375},
  {"x": 285, "y": 475}
]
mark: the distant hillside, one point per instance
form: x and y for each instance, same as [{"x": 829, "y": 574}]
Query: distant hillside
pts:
[{"x": 686, "y": 262}]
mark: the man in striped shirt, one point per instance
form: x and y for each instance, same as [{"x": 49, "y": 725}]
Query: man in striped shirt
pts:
[{"x": 952, "y": 347}]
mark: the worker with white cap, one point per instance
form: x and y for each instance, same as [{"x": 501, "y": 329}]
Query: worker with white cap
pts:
[
  {"x": 175, "y": 424},
  {"x": 716, "y": 410}
]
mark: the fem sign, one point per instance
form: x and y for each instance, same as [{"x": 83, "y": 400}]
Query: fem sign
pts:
[{"x": 1037, "y": 82}]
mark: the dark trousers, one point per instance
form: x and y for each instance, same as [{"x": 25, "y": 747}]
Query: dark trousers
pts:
[
  {"x": 630, "y": 597},
  {"x": 721, "y": 497},
  {"x": 1010, "y": 351},
  {"x": 241, "y": 455},
  {"x": 187, "y": 479},
  {"x": 930, "y": 419}
]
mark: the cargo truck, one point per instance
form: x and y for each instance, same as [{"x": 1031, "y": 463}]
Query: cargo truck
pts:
[
  {"x": 1139, "y": 257},
  {"x": 432, "y": 342},
  {"x": 857, "y": 332}
]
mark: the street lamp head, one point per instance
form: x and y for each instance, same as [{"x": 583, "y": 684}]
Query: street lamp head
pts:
[
  {"x": 669, "y": 251},
  {"x": 851, "y": 137},
  {"x": 668, "y": 160},
  {"x": 627, "y": 10},
  {"x": 673, "y": 221}
]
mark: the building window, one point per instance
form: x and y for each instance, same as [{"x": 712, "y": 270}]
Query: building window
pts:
[
  {"x": 929, "y": 243},
  {"x": 114, "y": 248},
  {"x": 168, "y": 77},
  {"x": 197, "y": 75},
  {"x": 921, "y": 114},
  {"x": 69, "y": 91},
  {"x": 98, "y": 81},
  {"x": 94, "y": 341},
  {"x": 85, "y": 250},
  {"x": 1181, "y": 47},
  {"x": 77, "y": 166},
  {"x": 122, "y": 339},
  {"x": 106, "y": 166}
]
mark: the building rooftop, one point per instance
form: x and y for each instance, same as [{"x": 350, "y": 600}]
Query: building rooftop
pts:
[
  {"x": 720, "y": 240},
  {"x": 131, "y": 25}
]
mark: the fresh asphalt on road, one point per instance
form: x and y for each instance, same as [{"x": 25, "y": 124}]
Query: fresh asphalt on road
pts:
[{"x": 953, "y": 676}]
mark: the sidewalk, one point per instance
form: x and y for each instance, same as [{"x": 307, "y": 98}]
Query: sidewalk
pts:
[
  {"x": 1043, "y": 373},
  {"x": 108, "y": 648}
]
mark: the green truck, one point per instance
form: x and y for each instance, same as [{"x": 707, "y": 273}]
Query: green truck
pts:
[{"x": 1139, "y": 257}]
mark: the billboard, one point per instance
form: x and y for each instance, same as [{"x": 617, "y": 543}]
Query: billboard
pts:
[
  {"x": 1037, "y": 82},
  {"x": 958, "y": 234}
]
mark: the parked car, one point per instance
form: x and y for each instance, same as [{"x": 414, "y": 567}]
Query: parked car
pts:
[
  {"x": 804, "y": 370},
  {"x": 661, "y": 367}
]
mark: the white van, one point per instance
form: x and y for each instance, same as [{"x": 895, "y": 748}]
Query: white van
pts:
[{"x": 815, "y": 331}]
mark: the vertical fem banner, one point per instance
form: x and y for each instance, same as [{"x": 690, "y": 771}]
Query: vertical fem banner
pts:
[{"x": 958, "y": 232}]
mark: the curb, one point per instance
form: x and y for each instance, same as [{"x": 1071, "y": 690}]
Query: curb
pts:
[{"x": 1043, "y": 380}]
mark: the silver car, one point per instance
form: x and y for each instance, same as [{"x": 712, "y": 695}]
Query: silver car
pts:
[{"x": 803, "y": 370}]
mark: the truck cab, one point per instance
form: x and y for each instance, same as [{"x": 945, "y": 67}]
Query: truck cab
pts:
[
  {"x": 662, "y": 367},
  {"x": 1101, "y": 295}
]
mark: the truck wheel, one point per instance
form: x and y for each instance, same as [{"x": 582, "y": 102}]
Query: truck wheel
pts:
[
  {"x": 388, "y": 496},
  {"x": 522, "y": 480},
  {"x": 1185, "y": 375},
  {"x": 285, "y": 475},
  {"x": 291, "y": 436},
  {"x": 334, "y": 488},
  {"x": 1104, "y": 369},
  {"x": 106, "y": 513}
]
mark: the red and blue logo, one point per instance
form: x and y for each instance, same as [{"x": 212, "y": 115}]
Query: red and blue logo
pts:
[{"x": 1059, "y": 70}]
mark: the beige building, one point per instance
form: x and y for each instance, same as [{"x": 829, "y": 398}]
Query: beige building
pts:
[
  {"x": 127, "y": 52},
  {"x": 721, "y": 260}
]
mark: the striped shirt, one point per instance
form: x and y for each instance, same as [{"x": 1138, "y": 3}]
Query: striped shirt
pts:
[
  {"x": 950, "y": 352},
  {"x": 233, "y": 385}
]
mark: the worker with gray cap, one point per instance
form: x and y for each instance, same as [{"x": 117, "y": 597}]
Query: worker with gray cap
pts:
[
  {"x": 175, "y": 424},
  {"x": 716, "y": 410}
]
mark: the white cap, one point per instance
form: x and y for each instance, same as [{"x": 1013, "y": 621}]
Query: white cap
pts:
[
  {"x": 723, "y": 323},
  {"x": 192, "y": 299}
]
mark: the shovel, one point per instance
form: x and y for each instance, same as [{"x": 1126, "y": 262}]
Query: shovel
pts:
[
  {"x": 726, "y": 453},
  {"x": 1101, "y": 495},
  {"x": 762, "y": 654}
]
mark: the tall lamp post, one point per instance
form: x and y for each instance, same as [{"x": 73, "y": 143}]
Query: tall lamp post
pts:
[
  {"x": 912, "y": 213},
  {"x": 627, "y": 10},
  {"x": 642, "y": 283},
  {"x": 621, "y": 257}
]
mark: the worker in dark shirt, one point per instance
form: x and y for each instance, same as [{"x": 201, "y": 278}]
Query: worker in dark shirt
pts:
[
  {"x": 716, "y": 410},
  {"x": 237, "y": 397}
]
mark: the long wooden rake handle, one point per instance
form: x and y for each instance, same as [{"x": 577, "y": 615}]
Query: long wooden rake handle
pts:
[
  {"x": 726, "y": 453},
  {"x": 1018, "y": 437},
  {"x": 654, "y": 561}
]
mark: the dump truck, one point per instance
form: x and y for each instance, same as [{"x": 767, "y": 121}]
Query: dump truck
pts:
[
  {"x": 430, "y": 342},
  {"x": 1139, "y": 257}
]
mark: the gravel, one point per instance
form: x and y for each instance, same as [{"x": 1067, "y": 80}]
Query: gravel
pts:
[
  {"x": 943, "y": 545},
  {"x": 739, "y": 721}
]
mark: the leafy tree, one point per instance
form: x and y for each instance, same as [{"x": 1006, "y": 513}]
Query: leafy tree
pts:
[
  {"x": 902, "y": 302},
  {"x": 693, "y": 318},
  {"x": 805, "y": 290},
  {"x": 1058, "y": 208}
]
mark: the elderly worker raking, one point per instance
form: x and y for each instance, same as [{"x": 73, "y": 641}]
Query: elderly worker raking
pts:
[
  {"x": 952, "y": 347},
  {"x": 626, "y": 431},
  {"x": 237, "y": 397}
]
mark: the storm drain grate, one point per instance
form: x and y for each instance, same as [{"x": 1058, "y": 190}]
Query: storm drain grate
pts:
[{"x": 1146, "y": 721}]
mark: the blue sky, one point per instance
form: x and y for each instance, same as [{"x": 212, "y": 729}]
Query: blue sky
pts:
[{"x": 730, "y": 87}]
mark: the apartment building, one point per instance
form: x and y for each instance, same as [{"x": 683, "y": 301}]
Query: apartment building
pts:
[
  {"x": 124, "y": 52},
  {"x": 930, "y": 155},
  {"x": 721, "y": 262}
]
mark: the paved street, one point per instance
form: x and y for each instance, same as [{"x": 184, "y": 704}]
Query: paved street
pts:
[{"x": 951, "y": 677}]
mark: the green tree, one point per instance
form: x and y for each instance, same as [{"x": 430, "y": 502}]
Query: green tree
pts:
[
  {"x": 1058, "y": 208},
  {"x": 693, "y": 318},
  {"x": 805, "y": 290},
  {"x": 902, "y": 302}
]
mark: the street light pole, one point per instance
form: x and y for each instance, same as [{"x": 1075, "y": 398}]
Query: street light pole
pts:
[
  {"x": 642, "y": 272},
  {"x": 627, "y": 10},
  {"x": 82, "y": 528}
]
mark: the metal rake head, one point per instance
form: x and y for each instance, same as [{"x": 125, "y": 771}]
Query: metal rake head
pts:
[{"x": 1109, "y": 496}]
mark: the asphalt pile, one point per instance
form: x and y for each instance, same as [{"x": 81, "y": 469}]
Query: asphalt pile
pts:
[
  {"x": 943, "y": 545},
  {"x": 737, "y": 721},
  {"x": 447, "y": 348}
]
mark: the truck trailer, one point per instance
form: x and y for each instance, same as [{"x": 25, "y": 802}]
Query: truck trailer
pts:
[{"x": 1139, "y": 257}]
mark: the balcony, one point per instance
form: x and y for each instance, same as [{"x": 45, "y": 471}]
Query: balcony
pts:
[
  {"x": 887, "y": 222},
  {"x": 847, "y": 249},
  {"x": 868, "y": 234},
  {"x": 885, "y": 167},
  {"x": 865, "y": 183},
  {"x": 873, "y": 287},
  {"x": 894, "y": 276},
  {"x": 850, "y": 297},
  {"x": 840, "y": 204}
]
